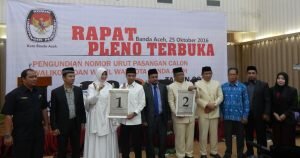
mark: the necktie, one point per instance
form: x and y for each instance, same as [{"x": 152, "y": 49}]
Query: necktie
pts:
[{"x": 155, "y": 97}]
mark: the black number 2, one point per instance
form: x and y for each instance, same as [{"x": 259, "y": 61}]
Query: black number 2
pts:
[
  {"x": 119, "y": 102},
  {"x": 186, "y": 100}
]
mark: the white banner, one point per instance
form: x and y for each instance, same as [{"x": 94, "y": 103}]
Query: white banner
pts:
[
  {"x": 48, "y": 37},
  {"x": 185, "y": 103},
  {"x": 118, "y": 103}
]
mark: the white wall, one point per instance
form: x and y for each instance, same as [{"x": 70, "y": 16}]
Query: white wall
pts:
[
  {"x": 2, "y": 10},
  {"x": 278, "y": 17}
]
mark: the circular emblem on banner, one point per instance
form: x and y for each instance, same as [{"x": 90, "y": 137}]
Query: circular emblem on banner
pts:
[{"x": 41, "y": 25}]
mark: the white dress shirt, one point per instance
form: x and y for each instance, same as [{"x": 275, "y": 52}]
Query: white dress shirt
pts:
[{"x": 136, "y": 103}]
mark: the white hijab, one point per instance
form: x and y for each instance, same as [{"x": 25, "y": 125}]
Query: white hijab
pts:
[{"x": 99, "y": 73}]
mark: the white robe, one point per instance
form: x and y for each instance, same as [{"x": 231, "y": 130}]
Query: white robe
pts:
[{"x": 100, "y": 135}]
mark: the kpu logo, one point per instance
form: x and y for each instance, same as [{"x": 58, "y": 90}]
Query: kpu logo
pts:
[{"x": 41, "y": 25}]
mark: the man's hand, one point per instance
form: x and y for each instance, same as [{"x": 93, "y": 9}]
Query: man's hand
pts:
[
  {"x": 191, "y": 88},
  {"x": 82, "y": 126},
  {"x": 145, "y": 124},
  {"x": 211, "y": 106},
  {"x": 8, "y": 125},
  {"x": 244, "y": 121},
  {"x": 131, "y": 116},
  {"x": 282, "y": 117},
  {"x": 277, "y": 117},
  {"x": 207, "y": 110},
  {"x": 266, "y": 117},
  {"x": 46, "y": 129},
  {"x": 56, "y": 132},
  {"x": 8, "y": 140}
]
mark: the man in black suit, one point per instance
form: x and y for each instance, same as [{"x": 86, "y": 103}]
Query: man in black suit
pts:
[
  {"x": 156, "y": 113},
  {"x": 67, "y": 114},
  {"x": 260, "y": 107}
]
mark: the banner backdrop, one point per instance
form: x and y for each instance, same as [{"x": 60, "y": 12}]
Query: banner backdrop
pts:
[{"x": 48, "y": 37}]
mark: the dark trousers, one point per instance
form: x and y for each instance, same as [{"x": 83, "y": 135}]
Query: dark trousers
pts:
[
  {"x": 156, "y": 128},
  {"x": 29, "y": 148},
  {"x": 237, "y": 128},
  {"x": 131, "y": 133},
  {"x": 73, "y": 134},
  {"x": 259, "y": 126},
  {"x": 284, "y": 134}
]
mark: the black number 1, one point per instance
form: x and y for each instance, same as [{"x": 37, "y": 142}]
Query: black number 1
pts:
[
  {"x": 119, "y": 102},
  {"x": 186, "y": 100}
]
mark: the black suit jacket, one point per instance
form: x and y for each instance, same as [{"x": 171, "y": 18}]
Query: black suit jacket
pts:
[
  {"x": 59, "y": 110},
  {"x": 148, "y": 111},
  {"x": 261, "y": 101}
]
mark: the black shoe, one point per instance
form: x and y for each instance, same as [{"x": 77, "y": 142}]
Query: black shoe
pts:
[
  {"x": 203, "y": 156},
  {"x": 188, "y": 157},
  {"x": 215, "y": 156}
]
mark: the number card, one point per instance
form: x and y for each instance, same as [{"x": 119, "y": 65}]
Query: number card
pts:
[
  {"x": 185, "y": 103},
  {"x": 118, "y": 103}
]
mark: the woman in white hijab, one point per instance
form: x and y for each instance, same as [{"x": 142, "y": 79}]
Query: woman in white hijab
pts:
[{"x": 100, "y": 136}]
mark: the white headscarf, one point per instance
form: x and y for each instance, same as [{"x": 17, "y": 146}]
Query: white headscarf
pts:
[{"x": 99, "y": 73}]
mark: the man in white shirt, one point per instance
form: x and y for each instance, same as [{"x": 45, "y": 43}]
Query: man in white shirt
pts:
[
  {"x": 183, "y": 126},
  {"x": 209, "y": 96},
  {"x": 131, "y": 127}
]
